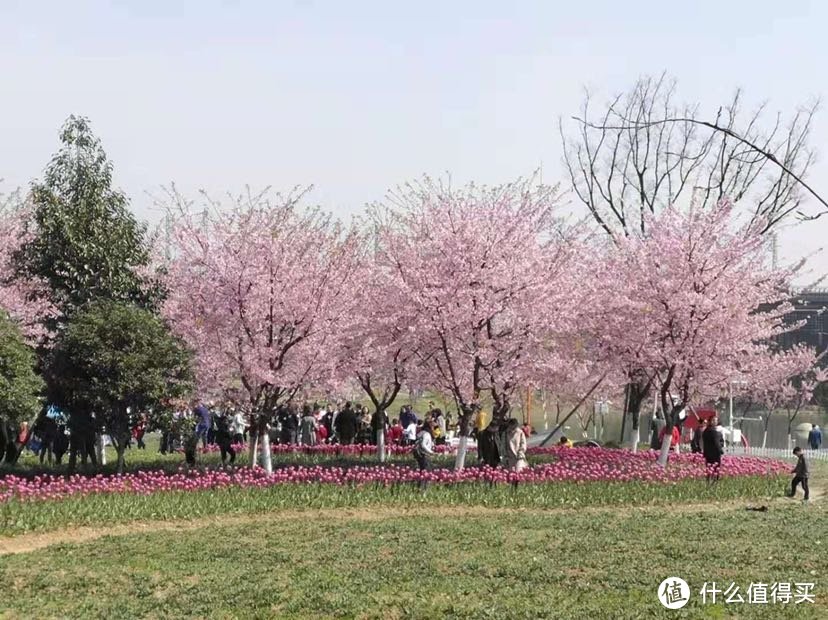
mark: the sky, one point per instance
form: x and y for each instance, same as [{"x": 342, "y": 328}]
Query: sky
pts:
[{"x": 355, "y": 97}]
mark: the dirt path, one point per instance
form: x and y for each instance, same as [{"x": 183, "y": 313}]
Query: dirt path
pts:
[{"x": 26, "y": 543}]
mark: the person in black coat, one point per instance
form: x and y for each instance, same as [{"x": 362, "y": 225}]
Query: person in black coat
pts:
[
  {"x": 288, "y": 418},
  {"x": 346, "y": 424},
  {"x": 696, "y": 441},
  {"x": 487, "y": 450},
  {"x": 223, "y": 437},
  {"x": 712, "y": 448}
]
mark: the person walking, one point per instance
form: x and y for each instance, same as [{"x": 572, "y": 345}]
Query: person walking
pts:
[
  {"x": 815, "y": 437},
  {"x": 801, "y": 474},
  {"x": 223, "y": 437},
  {"x": 203, "y": 422},
  {"x": 712, "y": 448},
  {"x": 439, "y": 426},
  {"x": 407, "y": 416},
  {"x": 696, "y": 441},
  {"x": 307, "y": 427},
  {"x": 395, "y": 432},
  {"x": 288, "y": 419},
  {"x": 515, "y": 445},
  {"x": 487, "y": 452},
  {"x": 409, "y": 435},
  {"x": 481, "y": 422},
  {"x": 656, "y": 431},
  {"x": 140, "y": 430},
  {"x": 346, "y": 424},
  {"x": 237, "y": 426},
  {"x": 423, "y": 451}
]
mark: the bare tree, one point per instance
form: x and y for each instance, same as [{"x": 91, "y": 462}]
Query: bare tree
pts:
[{"x": 645, "y": 150}]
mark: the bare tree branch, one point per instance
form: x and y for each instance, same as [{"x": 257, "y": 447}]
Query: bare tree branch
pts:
[{"x": 645, "y": 151}]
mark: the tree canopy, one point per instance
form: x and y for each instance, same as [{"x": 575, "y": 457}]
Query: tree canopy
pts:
[
  {"x": 117, "y": 360},
  {"x": 20, "y": 385},
  {"x": 85, "y": 242}
]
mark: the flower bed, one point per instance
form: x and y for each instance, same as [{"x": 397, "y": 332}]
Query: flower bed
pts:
[{"x": 576, "y": 465}]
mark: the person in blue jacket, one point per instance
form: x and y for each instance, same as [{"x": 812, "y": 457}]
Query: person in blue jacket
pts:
[{"x": 815, "y": 437}]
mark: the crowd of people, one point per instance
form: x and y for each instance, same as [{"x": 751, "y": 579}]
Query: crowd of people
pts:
[
  {"x": 343, "y": 423},
  {"x": 500, "y": 443}
]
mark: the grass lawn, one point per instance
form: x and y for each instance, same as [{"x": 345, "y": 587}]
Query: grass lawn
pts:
[
  {"x": 556, "y": 550},
  {"x": 428, "y": 562}
]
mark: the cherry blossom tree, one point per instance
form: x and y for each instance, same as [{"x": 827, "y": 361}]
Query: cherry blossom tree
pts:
[
  {"x": 484, "y": 279},
  {"x": 705, "y": 303},
  {"x": 23, "y": 299},
  {"x": 260, "y": 289},
  {"x": 786, "y": 381},
  {"x": 376, "y": 347}
]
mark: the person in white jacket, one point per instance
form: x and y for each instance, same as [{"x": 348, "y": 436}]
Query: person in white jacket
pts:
[
  {"x": 237, "y": 427},
  {"x": 423, "y": 450},
  {"x": 424, "y": 447},
  {"x": 515, "y": 446}
]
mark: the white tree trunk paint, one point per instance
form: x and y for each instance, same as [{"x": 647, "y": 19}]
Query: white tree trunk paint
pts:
[
  {"x": 251, "y": 449},
  {"x": 460, "y": 460},
  {"x": 381, "y": 445},
  {"x": 665, "y": 449},
  {"x": 267, "y": 462}
]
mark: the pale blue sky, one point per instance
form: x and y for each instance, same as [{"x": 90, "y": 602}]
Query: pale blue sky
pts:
[{"x": 356, "y": 97}]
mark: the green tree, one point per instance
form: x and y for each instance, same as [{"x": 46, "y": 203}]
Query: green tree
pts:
[
  {"x": 87, "y": 244},
  {"x": 20, "y": 385},
  {"x": 118, "y": 360}
]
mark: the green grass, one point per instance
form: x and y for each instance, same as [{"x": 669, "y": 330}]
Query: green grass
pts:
[
  {"x": 484, "y": 563},
  {"x": 588, "y": 550}
]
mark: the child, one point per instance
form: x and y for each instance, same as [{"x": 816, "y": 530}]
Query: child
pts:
[{"x": 800, "y": 473}]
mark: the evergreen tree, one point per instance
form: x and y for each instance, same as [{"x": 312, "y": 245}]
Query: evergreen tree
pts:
[
  {"x": 86, "y": 243},
  {"x": 117, "y": 360}
]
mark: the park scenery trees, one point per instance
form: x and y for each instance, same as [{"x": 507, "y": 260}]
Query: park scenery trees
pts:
[
  {"x": 260, "y": 292},
  {"x": 20, "y": 386},
  {"x": 475, "y": 295},
  {"x": 695, "y": 295},
  {"x": 481, "y": 277},
  {"x": 118, "y": 360}
]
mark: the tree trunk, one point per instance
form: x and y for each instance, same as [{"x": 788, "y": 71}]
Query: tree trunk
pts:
[
  {"x": 637, "y": 393},
  {"x": 267, "y": 462},
  {"x": 462, "y": 447},
  {"x": 665, "y": 449},
  {"x": 623, "y": 437},
  {"x": 99, "y": 448},
  {"x": 465, "y": 422},
  {"x": 381, "y": 445},
  {"x": 253, "y": 442},
  {"x": 120, "y": 449}
]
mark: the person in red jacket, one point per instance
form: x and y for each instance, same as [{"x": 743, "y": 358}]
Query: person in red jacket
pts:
[
  {"x": 321, "y": 433},
  {"x": 395, "y": 432},
  {"x": 675, "y": 436}
]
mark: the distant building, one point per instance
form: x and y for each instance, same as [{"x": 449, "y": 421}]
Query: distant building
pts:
[{"x": 808, "y": 306}]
